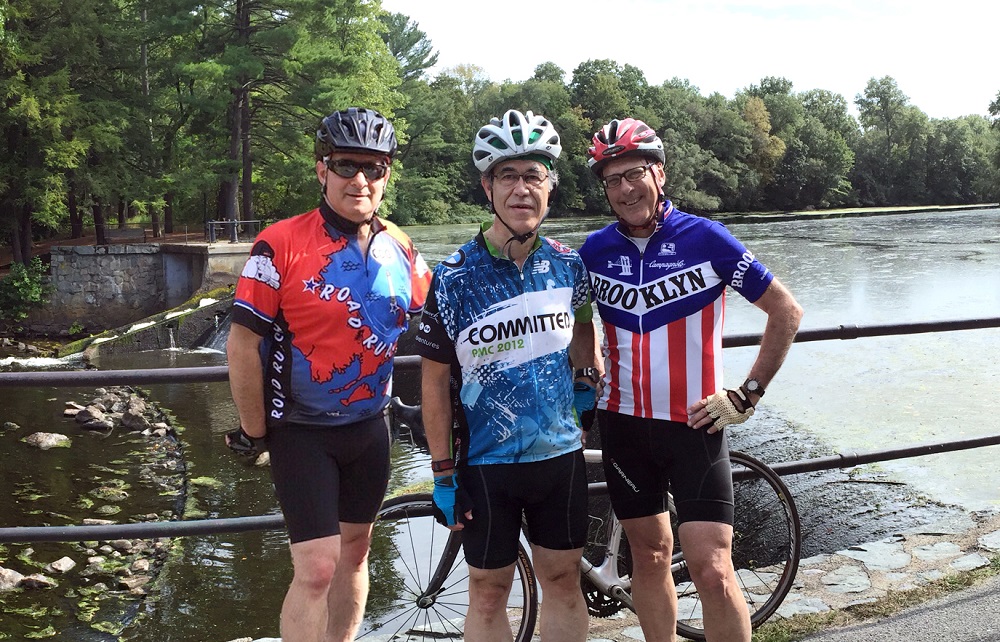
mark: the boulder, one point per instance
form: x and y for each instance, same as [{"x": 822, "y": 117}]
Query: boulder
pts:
[
  {"x": 61, "y": 565},
  {"x": 9, "y": 579},
  {"x": 46, "y": 440}
]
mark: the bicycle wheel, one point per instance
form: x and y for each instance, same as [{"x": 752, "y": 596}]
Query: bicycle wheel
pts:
[
  {"x": 419, "y": 581},
  {"x": 766, "y": 547}
]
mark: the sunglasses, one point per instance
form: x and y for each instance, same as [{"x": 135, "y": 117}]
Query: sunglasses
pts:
[{"x": 349, "y": 169}]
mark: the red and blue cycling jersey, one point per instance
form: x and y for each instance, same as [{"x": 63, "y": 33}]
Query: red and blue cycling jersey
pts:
[
  {"x": 330, "y": 316},
  {"x": 661, "y": 302}
]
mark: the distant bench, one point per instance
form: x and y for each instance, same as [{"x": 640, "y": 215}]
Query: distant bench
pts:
[{"x": 125, "y": 234}]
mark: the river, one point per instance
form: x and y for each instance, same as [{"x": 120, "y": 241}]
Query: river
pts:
[{"x": 833, "y": 396}]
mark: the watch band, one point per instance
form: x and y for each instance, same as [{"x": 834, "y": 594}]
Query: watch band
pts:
[
  {"x": 752, "y": 385},
  {"x": 589, "y": 372},
  {"x": 442, "y": 465}
]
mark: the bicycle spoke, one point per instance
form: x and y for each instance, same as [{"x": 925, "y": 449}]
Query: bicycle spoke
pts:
[{"x": 419, "y": 589}]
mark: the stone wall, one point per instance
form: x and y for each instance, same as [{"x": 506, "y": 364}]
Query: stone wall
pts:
[
  {"x": 103, "y": 286},
  {"x": 98, "y": 288}
]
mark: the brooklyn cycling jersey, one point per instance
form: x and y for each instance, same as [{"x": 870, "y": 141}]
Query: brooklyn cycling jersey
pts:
[
  {"x": 506, "y": 331},
  {"x": 330, "y": 316},
  {"x": 662, "y": 306}
]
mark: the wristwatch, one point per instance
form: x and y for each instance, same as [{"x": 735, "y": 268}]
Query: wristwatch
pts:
[
  {"x": 590, "y": 373},
  {"x": 752, "y": 385}
]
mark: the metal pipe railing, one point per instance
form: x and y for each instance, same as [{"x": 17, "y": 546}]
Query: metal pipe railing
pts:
[
  {"x": 273, "y": 522},
  {"x": 409, "y": 362}
]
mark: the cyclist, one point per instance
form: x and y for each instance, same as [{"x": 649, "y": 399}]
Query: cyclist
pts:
[
  {"x": 659, "y": 276},
  {"x": 319, "y": 307},
  {"x": 506, "y": 315}
]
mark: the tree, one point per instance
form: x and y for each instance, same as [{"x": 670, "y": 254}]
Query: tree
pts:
[
  {"x": 598, "y": 89},
  {"x": 409, "y": 46}
]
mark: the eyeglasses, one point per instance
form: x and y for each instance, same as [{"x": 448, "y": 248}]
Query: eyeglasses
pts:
[
  {"x": 509, "y": 178},
  {"x": 349, "y": 169},
  {"x": 633, "y": 175}
]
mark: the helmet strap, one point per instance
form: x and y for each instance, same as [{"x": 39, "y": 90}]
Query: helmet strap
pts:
[
  {"x": 344, "y": 225},
  {"x": 651, "y": 222}
]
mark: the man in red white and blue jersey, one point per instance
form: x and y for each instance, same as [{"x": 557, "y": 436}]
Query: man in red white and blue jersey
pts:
[{"x": 659, "y": 278}]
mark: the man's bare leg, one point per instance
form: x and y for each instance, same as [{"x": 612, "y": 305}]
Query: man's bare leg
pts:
[
  {"x": 563, "y": 610},
  {"x": 708, "y": 551}
]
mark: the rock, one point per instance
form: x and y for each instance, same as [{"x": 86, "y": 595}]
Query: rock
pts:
[
  {"x": 141, "y": 565},
  {"x": 93, "y": 521},
  {"x": 134, "y": 420},
  {"x": 137, "y": 405},
  {"x": 937, "y": 551},
  {"x": 879, "y": 556},
  {"x": 37, "y": 580},
  {"x": 104, "y": 424},
  {"x": 122, "y": 545},
  {"x": 61, "y": 565},
  {"x": 847, "y": 579},
  {"x": 72, "y": 405},
  {"x": 46, "y": 440},
  {"x": 969, "y": 562},
  {"x": 89, "y": 414},
  {"x": 9, "y": 579},
  {"x": 263, "y": 459},
  {"x": 71, "y": 412},
  {"x": 991, "y": 541},
  {"x": 134, "y": 582},
  {"x": 10, "y": 425}
]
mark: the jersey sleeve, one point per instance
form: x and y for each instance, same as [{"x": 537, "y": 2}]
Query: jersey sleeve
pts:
[
  {"x": 432, "y": 340},
  {"x": 258, "y": 290},
  {"x": 738, "y": 267},
  {"x": 583, "y": 310},
  {"x": 420, "y": 281}
]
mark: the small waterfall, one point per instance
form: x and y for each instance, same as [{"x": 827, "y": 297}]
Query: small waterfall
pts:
[
  {"x": 217, "y": 339},
  {"x": 173, "y": 342}
]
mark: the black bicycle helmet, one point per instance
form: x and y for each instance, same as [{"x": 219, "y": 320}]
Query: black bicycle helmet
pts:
[{"x": 355, "y": 129}]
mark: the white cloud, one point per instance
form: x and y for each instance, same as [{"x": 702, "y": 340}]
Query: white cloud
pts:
[{"x": 941, "y": 55}]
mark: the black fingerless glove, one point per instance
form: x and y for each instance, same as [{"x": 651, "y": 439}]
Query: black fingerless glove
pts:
[{"x": 240, "y": 442}]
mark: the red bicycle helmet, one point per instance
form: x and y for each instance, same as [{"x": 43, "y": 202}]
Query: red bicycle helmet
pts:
[{"x": 622, "y": 137}]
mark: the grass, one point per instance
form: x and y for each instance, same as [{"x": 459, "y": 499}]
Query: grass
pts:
[{"x": 796, "y": 628}]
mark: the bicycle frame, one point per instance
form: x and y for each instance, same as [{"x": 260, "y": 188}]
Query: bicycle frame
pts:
[{"x": 605, "y": 576}]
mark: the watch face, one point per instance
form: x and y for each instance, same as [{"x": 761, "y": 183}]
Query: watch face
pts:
[{"x": 753, "y": 385}]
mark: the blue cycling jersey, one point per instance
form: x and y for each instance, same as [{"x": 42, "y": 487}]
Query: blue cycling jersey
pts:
[{"x": 506, "y": 331}]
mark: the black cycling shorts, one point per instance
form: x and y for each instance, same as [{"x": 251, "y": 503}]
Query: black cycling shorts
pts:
[
  {"x": 550, "y": 494},
  {"x": 644, "y": 458},
  {"x": 327, "y": 475}
]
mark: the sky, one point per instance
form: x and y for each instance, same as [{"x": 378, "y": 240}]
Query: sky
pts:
[{"x": 943, "y": 55}]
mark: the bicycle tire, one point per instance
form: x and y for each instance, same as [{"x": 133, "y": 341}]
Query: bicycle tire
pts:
[
  {"x": 419, "y": 579},
  {"x": 766, "y": 547}
]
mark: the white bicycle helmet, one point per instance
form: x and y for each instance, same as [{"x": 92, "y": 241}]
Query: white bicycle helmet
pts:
[{"x": 515, "y": 135}]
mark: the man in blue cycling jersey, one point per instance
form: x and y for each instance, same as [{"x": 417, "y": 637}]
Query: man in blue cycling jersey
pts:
[{"x": 506, "y": 316}]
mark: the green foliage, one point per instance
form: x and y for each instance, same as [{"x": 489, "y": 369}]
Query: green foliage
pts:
[
  {"x": 24, "y": 289},
  {"x": 208, "y": 110}
]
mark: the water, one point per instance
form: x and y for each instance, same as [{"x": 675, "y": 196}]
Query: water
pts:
[{"x": 839, "y": 396}]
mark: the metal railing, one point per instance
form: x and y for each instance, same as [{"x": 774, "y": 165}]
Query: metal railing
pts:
[
  {"x": 403, "y": 363},
  {"x": 232, "y": 229}
]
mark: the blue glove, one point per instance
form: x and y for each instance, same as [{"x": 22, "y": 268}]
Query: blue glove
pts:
[
  {"x": 584, "y": 399},
  {"x": 450, "y": 502}
]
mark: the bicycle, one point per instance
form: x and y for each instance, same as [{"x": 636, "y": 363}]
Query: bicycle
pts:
[
  {"x": 420, "y": 590},
  {"x": 766, "y": 550}
]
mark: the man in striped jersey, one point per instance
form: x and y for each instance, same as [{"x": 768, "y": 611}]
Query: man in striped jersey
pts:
[{"x": 659, "y": 277}]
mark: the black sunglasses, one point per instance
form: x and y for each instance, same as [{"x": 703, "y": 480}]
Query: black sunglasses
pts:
[{"x": 349, "y": 169}]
